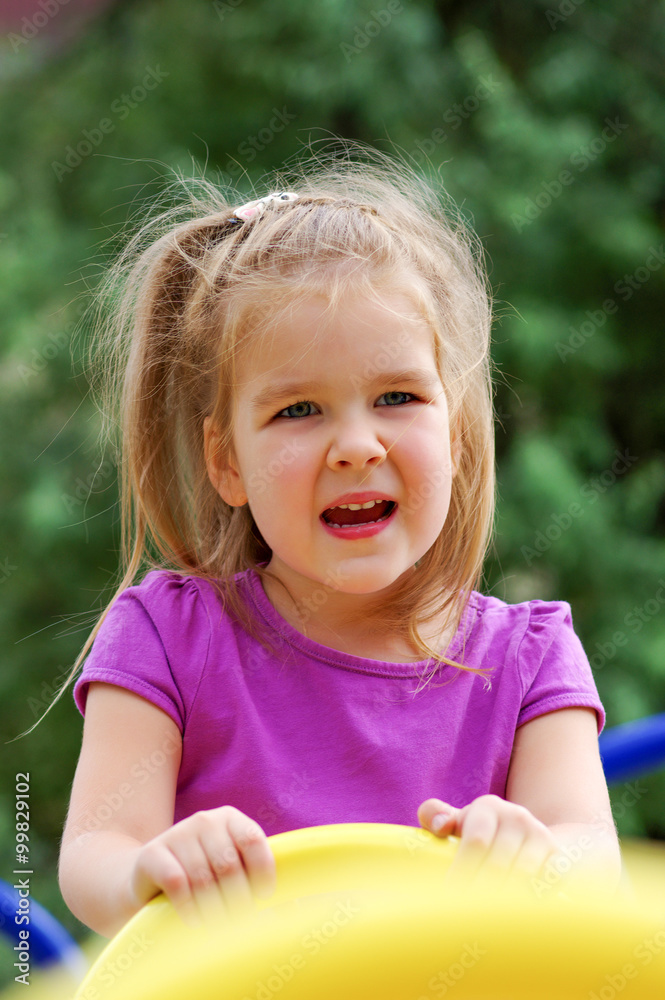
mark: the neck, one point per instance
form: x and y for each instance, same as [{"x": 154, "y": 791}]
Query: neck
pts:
[{"x": 342, "y": 622}]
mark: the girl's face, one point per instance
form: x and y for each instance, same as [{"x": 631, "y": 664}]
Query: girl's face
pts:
[{"x": 354, "y": 415}]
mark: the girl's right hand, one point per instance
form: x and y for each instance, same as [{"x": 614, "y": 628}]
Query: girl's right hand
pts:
[{"x": 210, "y": 863}]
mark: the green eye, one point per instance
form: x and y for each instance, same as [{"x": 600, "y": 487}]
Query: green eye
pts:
[
  {"x": 296, "y": 410},
  {"x": 395, "y": 397}
]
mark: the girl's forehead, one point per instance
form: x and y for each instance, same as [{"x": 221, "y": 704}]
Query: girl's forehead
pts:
[{"x": 312, "y": 332}]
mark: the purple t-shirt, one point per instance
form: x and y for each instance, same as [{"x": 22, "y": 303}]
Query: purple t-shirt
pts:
[{"x": 316, "y": 736}]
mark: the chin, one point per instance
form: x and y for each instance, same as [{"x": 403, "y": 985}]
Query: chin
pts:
[{"x": 370, "y": 581}]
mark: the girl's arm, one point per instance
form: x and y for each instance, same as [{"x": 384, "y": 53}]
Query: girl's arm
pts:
[
  {"x": 120, "y": 847},
  {"x": 557, "y": 804},
  {"x": 557, "y": 773}
]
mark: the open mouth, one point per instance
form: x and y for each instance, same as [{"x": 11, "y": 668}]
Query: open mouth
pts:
[{"x": 349, "y": 515}]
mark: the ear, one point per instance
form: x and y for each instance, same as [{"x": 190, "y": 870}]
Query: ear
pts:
[{"x": 222, "y": 467}]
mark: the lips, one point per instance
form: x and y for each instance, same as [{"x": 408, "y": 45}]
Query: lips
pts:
[{"x": 356, "y": 511}]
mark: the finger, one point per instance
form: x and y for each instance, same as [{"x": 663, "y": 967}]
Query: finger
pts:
[
  {"x": 159, "y": 870},
  {"x": 208, "y": 898},
  {"x": 534, "y": 856},
  {"x": 257, "y": 856},
  {"x": 503, "y": 850},
  {"x": 479, "y": 828},
  {"x": 187, "y": 843},
  {"x": 439, "y": 817},
  {"x": 211, "y": 905},
  {"x": 202, "y": 879},
  {"x": 226, "y": 865}
]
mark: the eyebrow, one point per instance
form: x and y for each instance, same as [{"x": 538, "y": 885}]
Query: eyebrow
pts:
[{"x": 275, "y": 393}]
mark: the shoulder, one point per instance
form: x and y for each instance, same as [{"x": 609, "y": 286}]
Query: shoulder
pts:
[
  {"x": 164, "y": 586},
  {"x": 534, "y": 644},
  {"x": 187, "y": 611},
  {"x": 156, "y": 639},
  {"x": 159, "y": 604},
  {"x": 157, "y": 585},
  {"x": 525, "y": 636},
  {"x": 173, "y": 597},
  {"x": 536, "y": 620}
]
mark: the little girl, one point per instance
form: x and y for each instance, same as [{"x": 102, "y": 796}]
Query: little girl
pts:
[{"x": 304, "y": 396}]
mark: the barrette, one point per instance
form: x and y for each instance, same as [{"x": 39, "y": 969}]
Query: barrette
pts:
[{"x": 257, "y": 207}]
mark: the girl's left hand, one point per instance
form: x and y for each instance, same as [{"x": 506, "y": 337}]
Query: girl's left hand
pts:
[{"x": 496, "y": 837}]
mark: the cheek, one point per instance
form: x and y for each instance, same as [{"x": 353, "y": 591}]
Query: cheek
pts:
[
  {"x": 428, "y": 449},
  {"x": 278, "y": 473},
  {"x": 428, "y": 473}
]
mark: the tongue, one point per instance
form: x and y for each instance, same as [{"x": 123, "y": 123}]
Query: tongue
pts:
[{"x": 336, "y": 515}]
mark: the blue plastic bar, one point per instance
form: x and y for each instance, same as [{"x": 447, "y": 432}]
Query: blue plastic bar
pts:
[
  {"x": 49, "y": 942},
  {"x": 633, "y": 749}
]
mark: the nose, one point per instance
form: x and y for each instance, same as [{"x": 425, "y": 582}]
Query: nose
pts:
[{"x": 355, "y": 443}]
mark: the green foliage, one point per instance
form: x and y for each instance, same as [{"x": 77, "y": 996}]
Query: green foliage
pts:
[{"x": 547, "y": 129}]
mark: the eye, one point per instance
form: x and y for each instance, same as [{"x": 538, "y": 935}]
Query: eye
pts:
[
  {"x": 300, "y": 409},
  {"x": 396, "y": 397}
]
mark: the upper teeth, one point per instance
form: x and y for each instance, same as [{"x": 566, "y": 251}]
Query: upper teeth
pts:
[{"x": 358, "y": 506}]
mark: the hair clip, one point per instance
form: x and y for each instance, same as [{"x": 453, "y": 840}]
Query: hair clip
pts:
[{"x": 254, "y": 208}]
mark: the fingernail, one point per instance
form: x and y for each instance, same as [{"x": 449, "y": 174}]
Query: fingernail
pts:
[{"x": 439, "y": 821}]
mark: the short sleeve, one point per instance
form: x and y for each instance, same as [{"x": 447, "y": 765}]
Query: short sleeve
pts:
[
  {"x": 555, "y": 669},
  {"x": 151, "y": 642}
]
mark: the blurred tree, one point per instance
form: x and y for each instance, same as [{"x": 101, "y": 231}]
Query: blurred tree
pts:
[{"x": 545, "y": 122}]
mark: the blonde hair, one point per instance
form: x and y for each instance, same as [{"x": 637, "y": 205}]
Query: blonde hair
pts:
[{"x": 187, "y": 294}]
